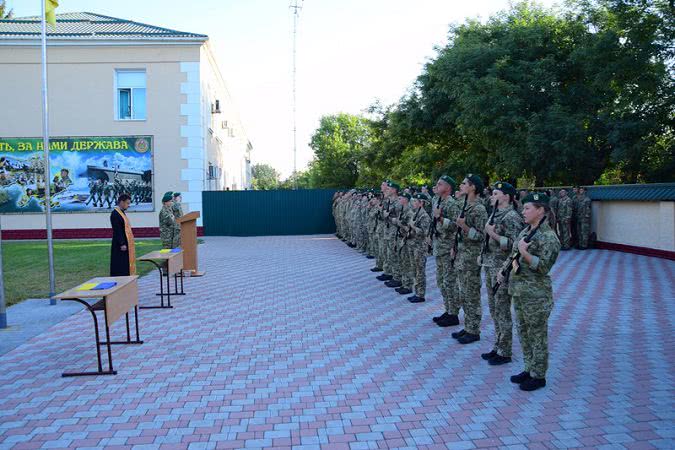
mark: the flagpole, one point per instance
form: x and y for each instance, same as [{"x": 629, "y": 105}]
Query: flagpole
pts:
[
  {"x": 45, "y": 141},
  {"x": 3, "y": 306}
]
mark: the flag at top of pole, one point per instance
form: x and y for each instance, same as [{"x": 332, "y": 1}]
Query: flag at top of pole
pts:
[
  {"x": 50, "y": 11},
  {"x": 48, "y": 15}
]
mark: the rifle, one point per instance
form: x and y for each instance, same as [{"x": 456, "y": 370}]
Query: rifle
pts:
[
  {"x": 432, "y": 227},
  {"x": 486, "y": 244},
  {"x": 407, "y": 235},
  {"x": 377, "y": 217},
  {"x": 514, "y": 260},
  {"x": 457, "y": 234}
]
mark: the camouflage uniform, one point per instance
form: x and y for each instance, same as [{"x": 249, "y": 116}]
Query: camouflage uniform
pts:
[
  {"x": 446, "y": 278},
  {"x": 169, "y": 231},
  {"x": 508, "y": 224},
  {"x": 403, "y": 247},
  {"x": 381, "y": 236},
  {"x": 583, "y": 221},
  {"x": 553, "y": 217},
  {"x": 532, "y": 296},
  {"x": 177, "y": 210},
  {"x": 565, "y": 221},
  {"x": 392, "y": 263},
  {"x": 417, "y": 252},
  {"x": 468, "y": 270},
  {"x": 371, "y": 224}
]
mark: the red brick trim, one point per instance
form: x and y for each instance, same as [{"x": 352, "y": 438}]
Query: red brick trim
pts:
[
  {"x": 81, "y": 233},
  {"x": 646, "y": 251}
]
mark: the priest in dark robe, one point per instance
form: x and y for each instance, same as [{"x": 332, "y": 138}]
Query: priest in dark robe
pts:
[{"x": 122, "y": 250}]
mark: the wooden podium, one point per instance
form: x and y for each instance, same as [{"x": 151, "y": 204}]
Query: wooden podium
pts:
[{"x": 188, "y": 239}]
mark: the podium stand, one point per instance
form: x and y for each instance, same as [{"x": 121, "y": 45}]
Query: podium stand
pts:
[{"x": 188, "y": 239}]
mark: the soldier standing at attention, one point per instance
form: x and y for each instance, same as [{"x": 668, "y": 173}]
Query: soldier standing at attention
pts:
[
  {"x": 468, "y": 269},
  {"x": 583, "y": 219},
  {"x": 392, "y": 259},
  {"x": 445, "y": 213},
  {"x": 417, "y": 246},
  {"x": 553, "y": 204},
  {"x": 176, "y": 207},
  {"x": 401, "y": 247},
  {"x": 565, "y": 219},
  {"x": 169, "y": 232},
  {"x": 531, "y": 291},
  {"x": 501, "y": 234},
  {"x": 575, "y": 216}
]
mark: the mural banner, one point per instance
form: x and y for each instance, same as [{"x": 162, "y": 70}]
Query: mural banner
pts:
[{"x": 87, "y": 173}]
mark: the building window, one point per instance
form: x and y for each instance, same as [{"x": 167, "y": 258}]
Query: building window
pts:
[{"x": 131, "y": 103}]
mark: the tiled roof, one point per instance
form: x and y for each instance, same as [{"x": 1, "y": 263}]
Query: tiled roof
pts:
[
  {"x": 639, "y": 192},
  {"x": 90, "y": 26}
]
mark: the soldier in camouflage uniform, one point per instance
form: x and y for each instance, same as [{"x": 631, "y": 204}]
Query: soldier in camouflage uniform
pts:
[
  {"x": 392, "y": 264},
  {"x": 371, "y": 224},
  {"x": 176, "y": 207},
  {"x": 583, "y": 219},
  {"x": 417, "y": 229},
  {"x": 402, "y": 246},
  {"x": 553, "y": 205},
  {"x": 468, "y": 269},
  {"x": 385, "y": 203},
  {"x": 443, "y": 228},
  {"x": 169, "y": 231},
  {"x": 565, "y": 219},
  {"x": 531, "y": 291},
  {"x": 575, "y": 215},
  {"x": 500, "y": 236}
]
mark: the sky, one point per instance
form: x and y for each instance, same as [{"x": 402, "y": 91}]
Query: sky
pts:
[{"x": 350, "y": 53}]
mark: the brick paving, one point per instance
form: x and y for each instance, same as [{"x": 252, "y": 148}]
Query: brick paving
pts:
[{"x": 291, "y": 342}]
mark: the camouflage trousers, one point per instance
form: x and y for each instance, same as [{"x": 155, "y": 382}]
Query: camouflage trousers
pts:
[
  {"x": 362, "y": 239},
  {"x": 468, "y": 277},
  {"x": 405, "y": 261},
  {"x": 500, "y": 311},
  {"x": 583, "y": 232},
  {"x": 372, "y": 244},
  {"x": 381, "y": 250},
  {"x": 392, "y": 263},
  {"x": 446, "y": 279},
  {"x": 532, "y": 321},
  {"x": 565, "y": 233},
  {"x": 417, "y": 254}
]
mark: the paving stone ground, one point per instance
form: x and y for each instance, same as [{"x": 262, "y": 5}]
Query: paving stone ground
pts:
[{"x": 291, "y": 342}]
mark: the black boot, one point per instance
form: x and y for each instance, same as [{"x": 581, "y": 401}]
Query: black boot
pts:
[
  {"x": 442, "y": 316},
  {"x": 533, "y": 384},
  {"x": 393, "y": 283},
  {"x": 468, "y": 338},
  {"x": 488, "y": 356},
  {"x": 521, "y": 377},
  {"x": 370, "y": 257},
  {"x": 458, "y": 334},
  {"x": 404, "y": 291},
  {"x": 416, "y": 299},
  {"x": 384, "y": 277},
  {"x": 498, "y": 360},
  {"x": 450, "y": 321},
  {"x": 376, "y": 269}
]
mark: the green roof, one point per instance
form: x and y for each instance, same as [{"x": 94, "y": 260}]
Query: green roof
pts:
[
  {"x": 639, "y": 192},
  {"x": 90, "y": 26}
]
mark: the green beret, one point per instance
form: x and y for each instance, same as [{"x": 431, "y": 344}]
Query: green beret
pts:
[
  {"x": 421, "y": 197},
  {"x": 393, "y": 185},
  {"x": 168, "y": 196},
  {"x": 476, "y": 181},
  {"x": 406, "y": 195},
  {"x": 536, "y": 198},
  {"x": 176, "y": 194},
  {"x": 449, "y": 180},
  {"x": 505, "y": 187}
]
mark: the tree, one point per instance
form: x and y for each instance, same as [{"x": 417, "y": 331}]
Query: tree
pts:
[
  {"x": 5, "y": 13},
  {"x": 264, "y": 177},
  {"x": 339, "y": 144}
]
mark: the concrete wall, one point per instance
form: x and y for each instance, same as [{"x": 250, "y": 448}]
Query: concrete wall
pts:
[
  {"x": 82, "y": 103},
  {"x": 635, "y": 223}
]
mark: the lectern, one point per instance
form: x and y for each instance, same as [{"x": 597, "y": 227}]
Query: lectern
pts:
[{"x": 188, "y": 239}]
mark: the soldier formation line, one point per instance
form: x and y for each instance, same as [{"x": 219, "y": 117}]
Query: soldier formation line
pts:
[{"x": 514, "y": 237}]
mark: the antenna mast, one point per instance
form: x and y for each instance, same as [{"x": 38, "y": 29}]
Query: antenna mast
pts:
[{"x": 295, "y": 7}]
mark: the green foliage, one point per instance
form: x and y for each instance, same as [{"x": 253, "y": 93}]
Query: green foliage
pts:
[
  {"x": 264, "y": 177},
  {"x": 556, "y": 97},
  {"x": 5, "y": 13}
]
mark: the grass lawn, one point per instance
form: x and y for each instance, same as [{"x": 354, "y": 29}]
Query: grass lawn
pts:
[{"x": 26, "y": 269}]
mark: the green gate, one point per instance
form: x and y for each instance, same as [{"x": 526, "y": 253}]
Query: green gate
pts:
[{"x": 268, "y": 213}]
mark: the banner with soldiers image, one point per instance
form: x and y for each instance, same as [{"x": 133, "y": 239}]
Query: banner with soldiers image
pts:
[{"x": 87, "y": 173}]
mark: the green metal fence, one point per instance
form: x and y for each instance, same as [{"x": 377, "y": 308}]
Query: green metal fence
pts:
[{"x": 268, "y": 213}]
